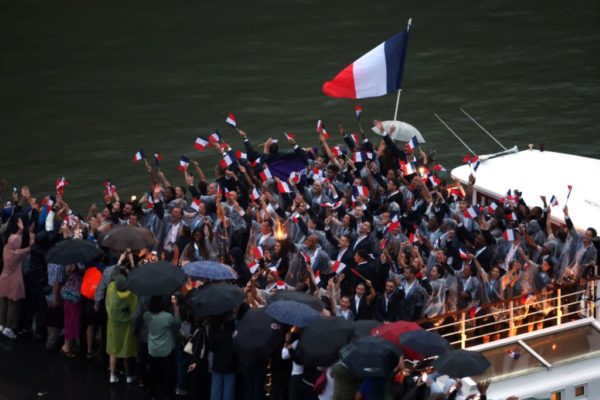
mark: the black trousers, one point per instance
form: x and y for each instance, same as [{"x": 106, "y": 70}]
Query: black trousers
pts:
[{"x": 162, "y": 375}]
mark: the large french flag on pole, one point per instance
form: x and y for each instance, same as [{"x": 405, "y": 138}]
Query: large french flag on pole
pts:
[{"x": 374, "y": 74}]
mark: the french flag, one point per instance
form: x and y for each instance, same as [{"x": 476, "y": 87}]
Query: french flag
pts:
[
  {"x": 336, "y": 151},
  {"x": 230, "y": 120},
  {"x": 359, "y": 157},
  {"x": 492, "y": 208},
  {"x": 258, "y": 252},
  {"x": 413, "y": 143},
  {"x": 511, "y": 216},
  {"x": 138, "y": 156},
  {"x": 201, "y": 143},
  {"x": 195, "y": 204},
  {"x": 281, "y": 285},
  {"x": 358, "y": 111},
  {"x": 439, "y": 168},
  {"x": 408, "y": 168},
  {"x": 283, "y": 187},
  {"x": 362, "y": 191},
  {"x": 509, "y": 235},
  {"x": 157, "y": 159},
  {"x": 435, "y": 181},
  {"x": 110, "y": 188},
  {"x": 265, "y": 174},
  {"x": 355, "y": 138},
  {"x": 338, "y": 267},
  {"x": 318, "y": 278},
  {"x": 553, "y": 201},
  {"x": 60, "y": 185},
  {"x": 376, "y": 73},
  {"x": 394, "y": 223},
  {"x": 463, "y": 254},
  {"x": 255, "y": 195},
  {"x": 321, "y": 129},
  {"x": 470, "y": 212},
  {"x": 183, "y": 163},
  {"x": 295, "y": 177},
  {"x": 290, "y": 136},
  {"x": 214, "y": 137},
  {"x": 241, "y": 156},
  {"x": 253, "y": 267},
  {"x": 226, "y": 161}
]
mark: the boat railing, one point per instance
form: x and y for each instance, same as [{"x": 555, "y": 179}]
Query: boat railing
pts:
[{"x": 521, "y": 314}]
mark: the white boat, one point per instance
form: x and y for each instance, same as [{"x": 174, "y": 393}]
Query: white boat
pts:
[
  {"x": 558, "y": 363},
  {"x": 536, "y": 173}
]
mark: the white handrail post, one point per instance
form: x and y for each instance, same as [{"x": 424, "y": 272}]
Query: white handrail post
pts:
[{"x": 463, "y": 334}]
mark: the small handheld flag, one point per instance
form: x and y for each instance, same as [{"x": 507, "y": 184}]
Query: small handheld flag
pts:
[
  {"x": 290, "y": 135},
  {"x": 60, "y": 185},
  {"x": 509, "y": 235},
  {"x": 201, "y": 143},
  {"x": 553, "y": 201},
  {"x": 230, "y": 120},
  {"x": 283, "y": 187},
  {"x": 338, "y": 267},
  {"x": 321, "y": 129},
  {"x": 138, "y": 156},
  {"x": 195, "y": 204},
  {"x": 568, "y": 194},
  {"x": 265, "y": 174},
  {"x": 470, "y": 212},
  {"x": 439, "y": 168},
  {"x": 214, "y": 137},
  {"x": 413, "y": 143},
  {"x": 226, "y": 161},
  {"x": 362, "y": 191},
  {"x": 258, "y": 252},
  {"x": 183, "y": 163},
  {"x": 253, "y": 267},
  {"x": 157, "y": 159},
  {"x": 358, "y": 110},
  {"x": 110, "y": 189},
  {"x": 255, "y": 195}
]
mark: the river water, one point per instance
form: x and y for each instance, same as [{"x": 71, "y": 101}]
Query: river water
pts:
[{"x": 84, "y": 84}]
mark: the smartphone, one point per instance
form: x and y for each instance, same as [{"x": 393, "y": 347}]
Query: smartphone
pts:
[
  {"x": 133, "y": 198},
  {"x": 424, "y": 377}
]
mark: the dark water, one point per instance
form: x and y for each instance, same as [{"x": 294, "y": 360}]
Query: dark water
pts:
[{"x": 84, "y": 84}]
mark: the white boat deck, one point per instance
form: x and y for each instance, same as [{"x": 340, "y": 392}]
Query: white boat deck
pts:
[{"x": 536, "y": 173}]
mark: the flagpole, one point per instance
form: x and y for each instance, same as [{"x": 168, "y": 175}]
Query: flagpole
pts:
[{"x": 400, "y": 89}]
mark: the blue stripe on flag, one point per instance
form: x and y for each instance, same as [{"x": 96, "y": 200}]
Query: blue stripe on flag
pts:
[{"x": 395, "y": 55}]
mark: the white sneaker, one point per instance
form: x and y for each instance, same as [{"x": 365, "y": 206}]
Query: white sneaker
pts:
[
  {"x": 130, "y": 379},
  {"x": 114, "y": 379},
  {"x": 1, "y": 328},
  {"x": 9, "y": 333}
]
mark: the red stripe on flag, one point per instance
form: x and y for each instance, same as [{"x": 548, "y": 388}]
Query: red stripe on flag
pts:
[{"x": 342, "y": 85}]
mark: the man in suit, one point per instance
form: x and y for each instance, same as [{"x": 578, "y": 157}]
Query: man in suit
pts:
[
  {"x": 319, "y": 260},
  {"x": 363, "y": 241},
  {"x": 387, "y": 305},
  {"x": 360, "y": 303},
  {"x": 173, "y": 224},
  {"x": 364, "y": 267},
  {"x": 415, "y": 296}
]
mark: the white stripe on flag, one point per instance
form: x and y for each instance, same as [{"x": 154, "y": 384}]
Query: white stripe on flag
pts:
[{"x": 370, "y": 73}]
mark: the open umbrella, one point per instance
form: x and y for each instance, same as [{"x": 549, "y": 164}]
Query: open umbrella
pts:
[
  {"x": 156, "y": 279},
  {"x": 125, "y": 237},
  {"x": 321, "y": 341},
  {"x": 209, "y": 270},
  {"x": 370, "y": 356},
  {"x": 403, "y": 132},
  {"x": 363, "y": 327},
  {"x": 391, "y": 333},
  {"x": 300, "y": 297},
  {"x": 461, "y": 363},
  {"x": 426, "y": 343},
  {"x": 215, "y": 299},
  {"x": 257, "y": 335},
  {"x": 292, "y": 313},
  {"x": 73, "y": 251}
]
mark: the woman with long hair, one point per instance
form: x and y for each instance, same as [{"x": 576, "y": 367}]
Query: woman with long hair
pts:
[
  {"x": 12, "y": 286},
  {"x": 196, "y": 249}
]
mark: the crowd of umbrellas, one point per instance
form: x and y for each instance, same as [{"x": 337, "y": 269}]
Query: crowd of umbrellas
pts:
[{"x": 367, "y": 347}]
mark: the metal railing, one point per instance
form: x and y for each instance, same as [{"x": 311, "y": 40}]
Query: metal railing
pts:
[{"x": 470, "y": 327}]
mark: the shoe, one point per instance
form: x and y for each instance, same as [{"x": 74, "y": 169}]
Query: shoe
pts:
[
  {"x": 1, "y": 328},
  {"x": 130, "y": 379},
  {"x": 114, "y": 379},
  {"x": 181, "y": 392},
  {"x": 9, "y": 333}
]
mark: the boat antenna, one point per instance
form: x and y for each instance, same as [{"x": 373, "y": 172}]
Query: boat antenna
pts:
[
  {"x": 458, "y": 137},
  {"x": 483, "y": 129}
]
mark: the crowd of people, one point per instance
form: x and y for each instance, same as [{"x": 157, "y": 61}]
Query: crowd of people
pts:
[{"x": 373, "y": 228}]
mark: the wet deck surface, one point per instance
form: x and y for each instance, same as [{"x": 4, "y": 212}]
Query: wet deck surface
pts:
[{"x": 28, "y": 371}]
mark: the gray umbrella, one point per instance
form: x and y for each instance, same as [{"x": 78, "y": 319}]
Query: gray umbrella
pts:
[
  {"x": 209, "y": 270},
  {"x": 292, "y": 313},
  {"x": 73, "y": 251},
  {"x": 123, "y": 237}
]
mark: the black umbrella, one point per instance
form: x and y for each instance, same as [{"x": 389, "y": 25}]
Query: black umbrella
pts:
[
  {"x": 156, "y": 279},
  {"x": 363, "y": 327},
  {"x": 425, "y": 343},
  {"x": 461, "y": 363},
  {"x": 371, "y": 356},
  {"x": 123, "y": 237},
  {"x": 300, "y": 297},
  {"x": 215, "y": 299},
  {"x": 73, "y": 251},
  {"x": 321, "y": 341},
  {"x": 292, "y": 313},
  {"x": 257, "y": 335}
]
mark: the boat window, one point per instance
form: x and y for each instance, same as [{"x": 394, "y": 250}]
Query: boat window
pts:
[
  {"x": 508, "y": 360},
  {"x": 558, "y": 395},
  {"x": 580, "y": 390},
  {"x": 566, "y": 346}
]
